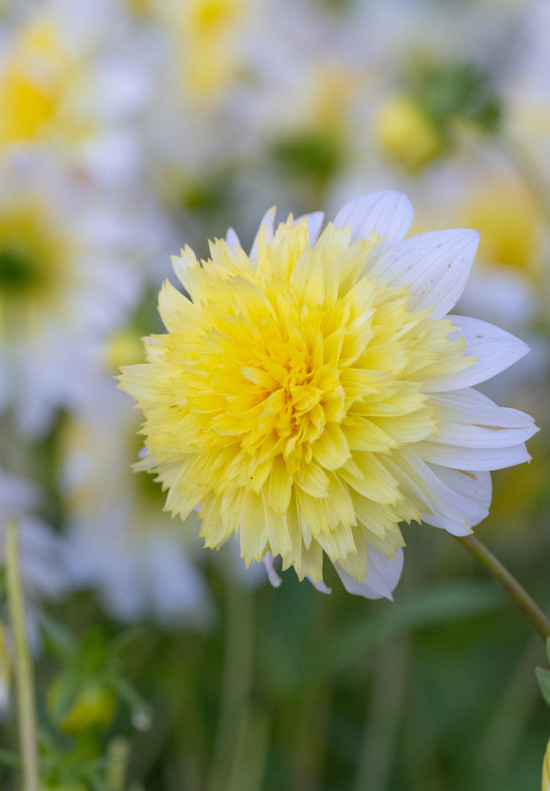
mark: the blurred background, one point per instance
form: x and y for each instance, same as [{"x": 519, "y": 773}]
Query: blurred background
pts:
[{"x": 129, "y": 128}]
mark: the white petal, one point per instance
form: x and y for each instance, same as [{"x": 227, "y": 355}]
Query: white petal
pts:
[
  {"x": 476, "y": 486},
  {"x": 272, "y": 575},
  {"x": 435, "y": 266},
  {"x": 268, "y": 220},
  {"x": 383, "y": 574},
  {"x": 320, "y": 586},
  {"x": 232, "y": 239},
  {"x": 314, "y": 223},
  {"x": 472, "y": 420},
  {"x": 472, "y": 458},
  {"x": 494, "y": 351},
  {"x": 440, "y": 504},
  {"x": 389, "y": 213}
]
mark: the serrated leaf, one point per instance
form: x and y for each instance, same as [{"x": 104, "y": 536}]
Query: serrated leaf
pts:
[{"x": 543, "y": 677}]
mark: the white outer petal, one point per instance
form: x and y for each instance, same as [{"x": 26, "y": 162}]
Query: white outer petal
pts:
[
  {"x": 475, "y": 486},
  {"x": 435, "y": 266},
  {"x": 314, "y": 224},
  {"x": 388, "y": 213},
  {"x": 320, "y": 586},
  {"x": 383, "y": 574},
  {"x": 272, "y": 575},
  {"x": 232, "y": 239},
  {"x": 472, "y": 420},
  {"x": 494, "y": 350},
  {"x": 440, "y": 504},
  {"x": 475, "y": 459},
  {"x": 268, "y": 220}
]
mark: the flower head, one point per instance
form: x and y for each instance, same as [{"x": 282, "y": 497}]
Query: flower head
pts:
[{"x": 312, "y": 395}]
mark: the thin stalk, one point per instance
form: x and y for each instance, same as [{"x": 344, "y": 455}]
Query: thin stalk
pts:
[
  {"x": 235, "y": 696},
  {"x": 23, "y": 667},
  {"x": 510, "y": 584}
]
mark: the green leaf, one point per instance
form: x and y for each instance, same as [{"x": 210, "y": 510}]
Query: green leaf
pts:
[
  {"x": 58, "y": 640},
  {"x": 548, "y": 649},
  {"x": 543, "y": 677},
  {"x": 130, "y": 696},
  {"x": 122, "y": 641}
]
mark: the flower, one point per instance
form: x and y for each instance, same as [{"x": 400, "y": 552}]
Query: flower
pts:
[
  {"x": 314, "y": 394},
  {"x": 118, "y": 541},
  {"x": 64, "y": 262}
]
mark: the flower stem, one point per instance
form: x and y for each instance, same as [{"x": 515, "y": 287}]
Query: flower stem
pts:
[
  {"x": 23, "y": 666},
  {"x": 509, "y": 583}
]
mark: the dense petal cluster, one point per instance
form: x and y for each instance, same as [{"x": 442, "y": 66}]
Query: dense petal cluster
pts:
[{"x": 314, "y": 394}]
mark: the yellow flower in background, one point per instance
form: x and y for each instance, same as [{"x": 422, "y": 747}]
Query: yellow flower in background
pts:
[
  {"x": 314, "y": 394},
  {"x": 510, "y": 225},
  {"x": 34, "y": 81},
  {"x": 406, "y": 134},
  {"x": 546, "y": 770},
  {"x": 209, "y": 44}
]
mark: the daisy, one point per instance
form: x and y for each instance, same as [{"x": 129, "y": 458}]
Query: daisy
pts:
[
  {"x": 310, "y": 396},
  {"x": 65, "y": 278},
  {"x": 73, "y": 83}
]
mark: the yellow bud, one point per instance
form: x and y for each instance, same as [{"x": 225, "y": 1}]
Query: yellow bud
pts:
[
  {"x": 406, "y": 134},
  {"x": 546, "y": 770},
  {"x": 93, "y": 707}
]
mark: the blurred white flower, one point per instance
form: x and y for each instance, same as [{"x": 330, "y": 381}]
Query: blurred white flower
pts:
[
  {"x": 42, "y": 568},
  {"x": 65, "y": 277},
  {"x": 119, "y": 541},
  {"x": 71, "y": 82}
]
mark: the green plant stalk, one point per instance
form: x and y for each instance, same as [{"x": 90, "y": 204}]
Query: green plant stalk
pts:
[
  {"x": 23, "y": 667},
  {"x": 510, "y": 584}
]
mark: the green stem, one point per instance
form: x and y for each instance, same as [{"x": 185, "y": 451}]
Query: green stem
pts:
[
  {"x": 236, "y": 685},
  {"x": 510, "y": 584},
  {"x": 23, "y": 667}
]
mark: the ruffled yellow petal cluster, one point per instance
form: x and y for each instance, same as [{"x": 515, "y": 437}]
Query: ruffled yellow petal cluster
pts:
[{"x": 286, "y": 387}]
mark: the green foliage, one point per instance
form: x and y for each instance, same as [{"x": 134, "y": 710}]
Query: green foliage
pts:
[
  {"x": 543, "y": 677},
  {"x": 314, "y": 154},
  {"x": 84, "y": 696},
  {"x": 459, "y": 90}
]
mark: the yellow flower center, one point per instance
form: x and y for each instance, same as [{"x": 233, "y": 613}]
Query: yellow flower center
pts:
[{"x": 282, "y": 392}]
